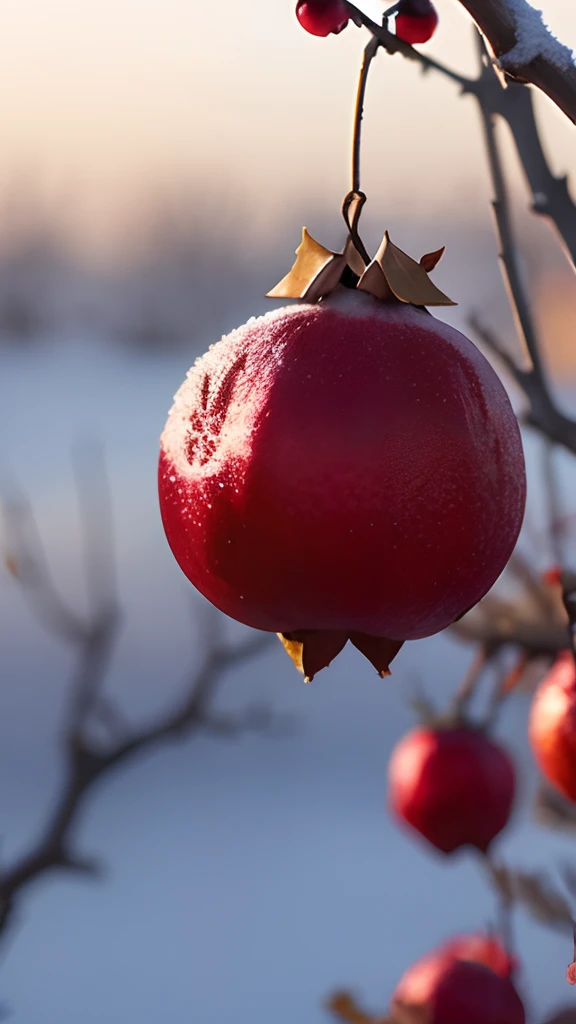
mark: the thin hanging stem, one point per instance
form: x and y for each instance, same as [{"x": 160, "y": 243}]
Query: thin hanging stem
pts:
[{"x": 369, "y": 54}]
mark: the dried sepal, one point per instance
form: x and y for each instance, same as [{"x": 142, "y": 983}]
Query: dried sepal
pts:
[
  {"x": 312, "y": 260},
  {"x": 379, "y": 650},
  {"x": 432, "y": 259},
  {"x": 404, "y": 277},
  {"x": 311, "y": 650}
]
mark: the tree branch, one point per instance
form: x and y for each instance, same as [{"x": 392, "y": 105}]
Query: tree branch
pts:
[
  {"x": 526, "y": 49},
  {"x": 86, "y": 761}
]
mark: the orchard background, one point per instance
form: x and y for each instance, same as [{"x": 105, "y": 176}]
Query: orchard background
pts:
[{"x": 157, "y": 165}]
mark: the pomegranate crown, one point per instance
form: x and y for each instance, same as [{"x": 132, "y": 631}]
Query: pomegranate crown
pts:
[{"x": 390, "y": 276}]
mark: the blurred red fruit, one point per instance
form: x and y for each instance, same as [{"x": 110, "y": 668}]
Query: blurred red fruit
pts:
[
  {"x": 454, "y": 786},
  {"x": 447, "y": 990},
  {"x": 553, "y": 576},
  {"x": 482, "y": 949},
  {"x": 321, "y": 17},
  {"x": 416, "y": 21},
  {"x": 347, "y": 468},
  {"x": 552, "y": 727}
]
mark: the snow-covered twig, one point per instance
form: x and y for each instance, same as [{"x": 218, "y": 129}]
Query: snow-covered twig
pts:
[{"x": 526, "y": 49}]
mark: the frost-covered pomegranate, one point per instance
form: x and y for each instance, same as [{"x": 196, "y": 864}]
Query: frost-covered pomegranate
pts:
[
  {"x": 346, "y": 469},
  {"x": 450, "y": 989},
  {"x": 454, "y": 786},
  {"x": 553, "y": 725}
]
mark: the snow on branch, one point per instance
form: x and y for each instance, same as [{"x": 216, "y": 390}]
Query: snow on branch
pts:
[
  {"x": 526, "y": 49},
  {"x": 533, "y": 39}
]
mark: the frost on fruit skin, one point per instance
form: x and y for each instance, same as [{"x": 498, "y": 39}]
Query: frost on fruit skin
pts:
[
  {"x": 454, "y": 991},
  {"x": 453, "y": 786},
  {"x": 552, "y": 727},
  {"x": 347, "y": 465}
]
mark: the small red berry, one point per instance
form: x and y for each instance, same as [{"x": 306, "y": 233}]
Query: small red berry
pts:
[
  {"x": 416, "y": 21},
  {"x": 552, "y": 727},
  {"x": 442, "y": 989},
  {"x": 321, "y": 17},
  {"x": 454, "y": 786},
  {"x": 552, "y": 577}
]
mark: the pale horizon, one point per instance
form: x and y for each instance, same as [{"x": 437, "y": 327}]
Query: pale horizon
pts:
[{"x": 104, "y": 108}]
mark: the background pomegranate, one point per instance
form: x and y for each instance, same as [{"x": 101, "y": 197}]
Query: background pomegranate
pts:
[
  {"x": 553, "y": 725},
  {"x": 347, "y": 466},
  {"x": 451, "y": 990},
  {"x": 454, "y": 786}
]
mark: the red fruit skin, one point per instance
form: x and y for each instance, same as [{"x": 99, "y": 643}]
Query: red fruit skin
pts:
[
  {"x": 416, "y": 28},
  {"x": 349, "y": 465},
  {"x": 321, "y": 17},
  {"x": 454, "y": 786},
  {"x": 458, "y": 992},
  {"x": 552, "y": 726},
  {"x": 482, "y": 949}
]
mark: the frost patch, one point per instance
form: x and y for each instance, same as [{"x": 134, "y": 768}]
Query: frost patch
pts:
[{"x": 533, "y": 39}]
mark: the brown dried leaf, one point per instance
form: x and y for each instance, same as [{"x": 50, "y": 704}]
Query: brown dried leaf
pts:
[
  {"x": 553, "y": 810},
  {"x": 344, "y": 1007},
  {"x": 406, "y": 278},
  {"x": 312, "y": 259},
  {"x": 432, "y": 259},
  {"x": 374, "y": 282}
]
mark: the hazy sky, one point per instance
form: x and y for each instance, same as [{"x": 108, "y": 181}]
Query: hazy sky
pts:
[{"x": 103, "y": 103}]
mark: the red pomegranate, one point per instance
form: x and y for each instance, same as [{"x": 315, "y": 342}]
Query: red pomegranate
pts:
[
  {"x": 449, "y": 990},
  {"x": 321, "y": 17},
  {"x": 416, "y": 21},
  {"x": 454, "y": 786},
  {"x": 482, "y": 949},
  {"x": 347, "y": 469},
  {"x": 552, "y": 726}
]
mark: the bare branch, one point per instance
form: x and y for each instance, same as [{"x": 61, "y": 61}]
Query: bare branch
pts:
[
  {"x": 26, "y": 558},
  {"x": 85, "y": 761},
  {"x": 469, "y": 684},
  {"x": 515, "y": 103}
]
